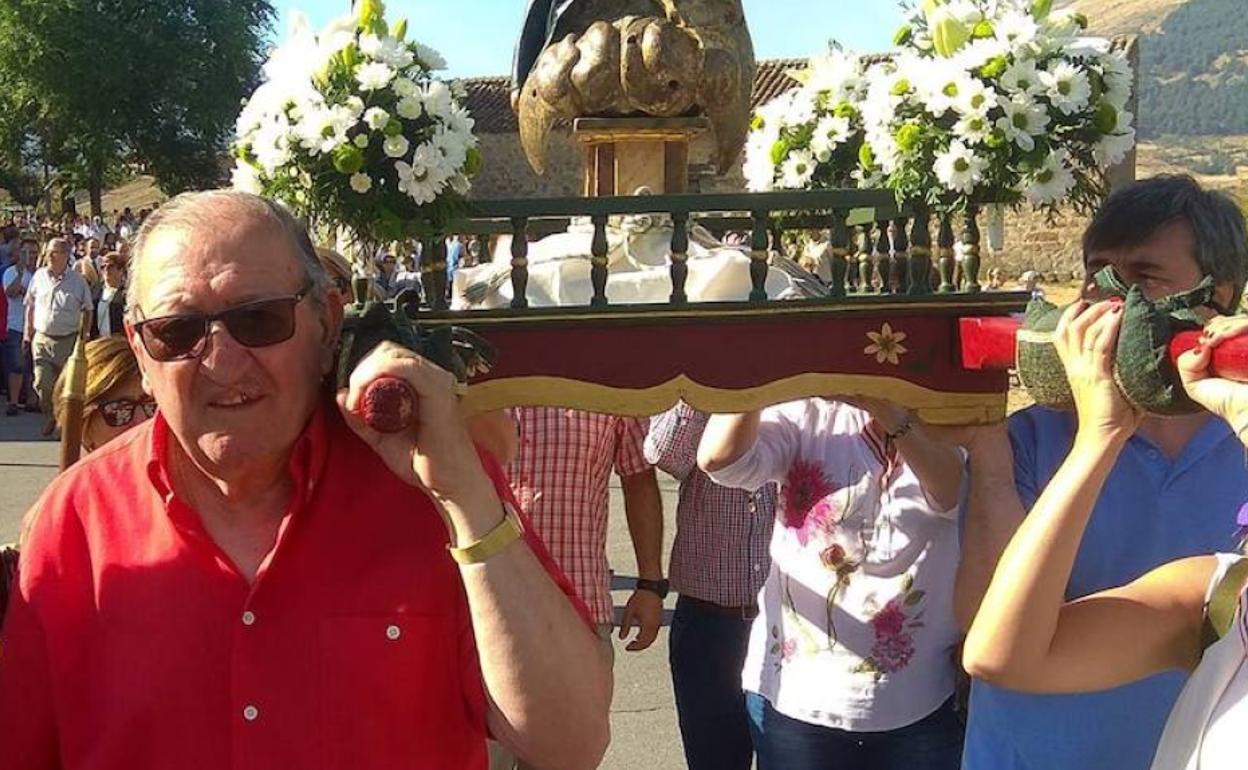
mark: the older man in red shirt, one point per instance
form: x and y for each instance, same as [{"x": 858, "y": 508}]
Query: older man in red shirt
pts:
[{"x": 256, "y": 579}]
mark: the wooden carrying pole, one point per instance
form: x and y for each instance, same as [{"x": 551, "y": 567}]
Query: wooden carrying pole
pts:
[
  {"x": 75, "y": 395},
  {"x": 989, "y": 343}
]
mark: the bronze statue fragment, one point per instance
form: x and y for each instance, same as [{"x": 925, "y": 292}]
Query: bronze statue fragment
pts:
[{"x": 622, "y": 58}]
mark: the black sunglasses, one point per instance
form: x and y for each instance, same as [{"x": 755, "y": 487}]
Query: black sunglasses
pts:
[
  {"x": 256, "y": 324},
  {"x": 119, "y": 413}
]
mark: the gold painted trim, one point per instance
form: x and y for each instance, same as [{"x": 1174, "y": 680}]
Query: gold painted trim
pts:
[
  {"x": 1032, "y": 336},
  {"x": 935, "y": 407}
]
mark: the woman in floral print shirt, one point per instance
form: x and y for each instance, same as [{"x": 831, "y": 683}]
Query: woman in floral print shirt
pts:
[{"x": 851, "y": 657}]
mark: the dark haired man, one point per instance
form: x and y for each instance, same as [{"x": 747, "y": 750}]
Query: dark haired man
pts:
[{"x": 1164, "y": 235}]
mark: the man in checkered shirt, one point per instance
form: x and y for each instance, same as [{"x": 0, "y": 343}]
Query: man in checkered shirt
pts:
[
  {"x": 560, "y": 477},
  {"x": 720, "y": 560}
]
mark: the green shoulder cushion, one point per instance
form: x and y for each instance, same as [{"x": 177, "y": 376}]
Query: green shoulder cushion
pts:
[{"x": 1142, "y": 365}]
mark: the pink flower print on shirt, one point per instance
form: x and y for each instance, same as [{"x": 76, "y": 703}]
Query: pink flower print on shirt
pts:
[
  {"x": 894, "y": 633},
  {"x": 805, "y": 508},
  {"x": 889, "y": 621}
]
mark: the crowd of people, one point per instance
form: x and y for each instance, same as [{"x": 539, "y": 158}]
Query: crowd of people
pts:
[{"x": 200, "y": 593}]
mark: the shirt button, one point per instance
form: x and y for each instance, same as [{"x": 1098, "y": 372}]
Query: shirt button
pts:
[
  {"x": 393, "y": 633},
  {"x": 249, "y": 618},
  {"x": 757, "y": 567},
  {"x": 251, "y": 713}
]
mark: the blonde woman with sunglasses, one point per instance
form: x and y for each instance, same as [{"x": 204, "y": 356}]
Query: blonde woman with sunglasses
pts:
[{"x": 114, "y": 399}]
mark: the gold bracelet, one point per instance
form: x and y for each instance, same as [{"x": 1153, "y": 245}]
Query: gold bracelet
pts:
[{"x": 508, "y": 531}]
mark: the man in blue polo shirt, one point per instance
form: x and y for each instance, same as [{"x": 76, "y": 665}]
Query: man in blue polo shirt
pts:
[{"x": 1173, "y": 493}]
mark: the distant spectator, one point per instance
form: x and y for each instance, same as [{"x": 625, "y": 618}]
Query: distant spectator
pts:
[
  {"x": 16, "y": 356},
  {"x": 111, "y": 307},
  {"x": 114, "y": 400},
  {"x": 54, "y": 304}
]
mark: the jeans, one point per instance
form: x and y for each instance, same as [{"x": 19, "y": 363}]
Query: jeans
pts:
[
  {"x": 707, "y": 650},
  {"x": 932, "y": 743}
]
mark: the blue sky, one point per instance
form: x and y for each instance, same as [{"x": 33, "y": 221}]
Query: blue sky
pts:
[{"x": 477, "y": 36}]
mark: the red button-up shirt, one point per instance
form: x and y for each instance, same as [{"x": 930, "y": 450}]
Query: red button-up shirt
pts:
[{"x": 133, "y": 642}]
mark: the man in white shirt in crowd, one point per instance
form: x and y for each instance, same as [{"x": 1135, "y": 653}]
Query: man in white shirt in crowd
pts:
[
  {"x": 55, "y": 302},
  {"x": 14, "y": 282}
]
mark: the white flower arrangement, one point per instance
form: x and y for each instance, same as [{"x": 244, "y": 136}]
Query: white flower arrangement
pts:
[
  {"x": 810, "y": 136},
  {"x": 986, "y": 101},
  {"x": 352, "y": 129}
]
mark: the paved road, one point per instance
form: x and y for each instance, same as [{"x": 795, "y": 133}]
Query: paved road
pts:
[{"x": 643, "y": 719}]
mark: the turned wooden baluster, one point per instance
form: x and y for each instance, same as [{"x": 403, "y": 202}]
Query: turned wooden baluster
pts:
[
  {"x": 839, "y": 238},
  {"x": 946, "y": 266},
  {"x": 883, "y": 265},
  {"x": 921, "y": 253},
  {"x": 519, "y": 262},
  {"x": 866, "y": 250},
  {"x": 758, "y": 256},
  {"x": 900, "y": 255},
  {"x": 680, "y": 256},
  {"x": 970, "y": 250},
  {"x": 598, "y": 258}
]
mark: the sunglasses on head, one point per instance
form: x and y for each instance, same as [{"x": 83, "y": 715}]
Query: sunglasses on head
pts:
[
  {"x": 256, "y": 324},
  {"x": 119, "y": 412}
]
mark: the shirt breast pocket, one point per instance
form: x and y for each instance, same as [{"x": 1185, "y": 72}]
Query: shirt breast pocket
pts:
[{"x": 392, "y": 695}]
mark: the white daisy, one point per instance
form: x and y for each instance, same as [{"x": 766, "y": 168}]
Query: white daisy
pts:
[
  {"x": 404, "y": 87},
  {"x": 361, "y": 182},
  {"x": 942, "y": 87},
  {"x": 759, "y": 170},
  {"x": 374, "y": 76},
  {"x": 246, "y": 178},
  {"x": 1022, "y": 78},
  {"x": 396, "y": 146},
  {"x": 973, "y": 129},
  {"x": 437, "y": 98},
  {"x": 974, "y": 98},
  {"x": 1067, "y": 86},
  {"x": 1017, "y": 28},
  {"x": 410, "y": 107},
  {"x": 1112, "y": 148},
  {"x": 1116, "y": 72},
  {"x": 836, "y": 73},
  {"x": 960, "y": 169},
  {"x": 376, "y": 118},
  {"x": 429, "y": 57},
  {"x": 977, "y": 53},
  {"x": 1052, "y": 181},
  {"x": 1023, "y": 121},
  {"x": 798, "y": 169},
  {"x": 830, "y": 133}
]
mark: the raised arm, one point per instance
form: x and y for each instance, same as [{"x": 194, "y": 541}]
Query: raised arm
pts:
[
  {"x": 726, "y": 439},
  {"x": 672, "y": 441},
  {"x": 1025, "y": 635},
  {"x": 544, "y": 670}
]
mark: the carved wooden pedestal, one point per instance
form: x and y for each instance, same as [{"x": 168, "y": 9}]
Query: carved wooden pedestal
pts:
[{"x": 623, "y": 154}]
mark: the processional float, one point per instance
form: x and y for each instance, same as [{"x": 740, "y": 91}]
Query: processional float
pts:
[{"x": 638, "y": 81}]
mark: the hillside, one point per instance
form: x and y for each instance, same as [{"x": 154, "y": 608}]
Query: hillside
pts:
[{"x": 1193, "y": 62}]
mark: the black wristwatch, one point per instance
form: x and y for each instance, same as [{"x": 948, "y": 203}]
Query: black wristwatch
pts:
[{"x": 660, "y": 587}]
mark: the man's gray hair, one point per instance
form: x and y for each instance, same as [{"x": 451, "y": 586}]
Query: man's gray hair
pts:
[{"x": 195, "y": 210}]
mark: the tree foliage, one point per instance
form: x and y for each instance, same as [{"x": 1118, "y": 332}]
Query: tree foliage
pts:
[
  {"x": 1195, "y": 71},
  {"x": 90, "y": 86}
]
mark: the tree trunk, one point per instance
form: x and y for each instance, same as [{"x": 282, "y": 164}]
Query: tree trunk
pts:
[{"x": 95, "y": 186}]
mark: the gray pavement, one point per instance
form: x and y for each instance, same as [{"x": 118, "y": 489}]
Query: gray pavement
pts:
[{"x": 643, "y": 716}]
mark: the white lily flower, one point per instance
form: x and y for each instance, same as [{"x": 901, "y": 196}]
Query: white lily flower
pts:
[{"x": 960, "y": 169}]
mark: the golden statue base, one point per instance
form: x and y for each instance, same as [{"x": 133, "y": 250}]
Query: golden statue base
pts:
[{"x": 624, "y": 154}]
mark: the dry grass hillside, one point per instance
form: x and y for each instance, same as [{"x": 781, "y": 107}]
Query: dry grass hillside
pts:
[{"x": 1125, "y": 17}]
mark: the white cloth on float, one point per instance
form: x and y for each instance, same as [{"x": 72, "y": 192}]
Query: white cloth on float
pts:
[{"x": 639, "y": 269}]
